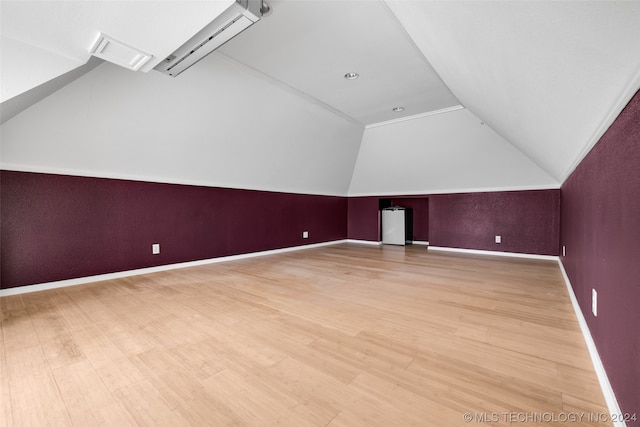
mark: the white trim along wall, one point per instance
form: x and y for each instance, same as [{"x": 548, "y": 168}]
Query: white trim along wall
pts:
[{"x": 612, "y": 403}]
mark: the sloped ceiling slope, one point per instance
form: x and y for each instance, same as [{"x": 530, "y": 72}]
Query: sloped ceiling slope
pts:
[
  {"x": 310, "y": 45},
  {"x": 217, "y": 125},
  {"x": 25, "y": 66},
  {"x": 443, "y": 153},
  {"x": 273, "y": 111},
  {"x": 17, "y": 104},
  {"x": 44, "y": 39},
  {"x": 550, "y": 77}
]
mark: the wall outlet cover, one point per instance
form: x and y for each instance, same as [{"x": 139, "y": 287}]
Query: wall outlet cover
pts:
[
  {"x": 155, "y": 248},
  {"x": 498, "y": 239},
  {"x": 305, "y": 234},
  {"x": 594, "y": 302}
]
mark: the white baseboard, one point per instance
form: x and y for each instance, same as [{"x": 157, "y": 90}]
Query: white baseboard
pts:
[
  {"x": 497, "y": 253},
  {"x": 369, "y": 242},
  {"x": 128, "y": 273},
  {"x": 605, "y": 385},
  {"x": 364, "y": 242}
]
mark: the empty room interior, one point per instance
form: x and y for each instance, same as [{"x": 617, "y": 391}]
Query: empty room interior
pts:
[{"x": 320, "y": 213}]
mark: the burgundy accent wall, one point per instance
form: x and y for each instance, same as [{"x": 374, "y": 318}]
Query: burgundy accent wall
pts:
[
  {"x": 420, "y": 207},
  {"x": 57, "y": 227},
  {"x": 601, "y": 232},
  {"x": 363, "y": 219},
  {"x": 527, "y": 221}
]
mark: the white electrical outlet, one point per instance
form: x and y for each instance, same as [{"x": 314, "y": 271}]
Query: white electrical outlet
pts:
[
  {"x": 498, "y": 239},
  {"x": 564, "y": 250},
  {"x": 305, "y": 234},
  {"x": 155, "y": 248},
  {"x": 594, "y": 302}
]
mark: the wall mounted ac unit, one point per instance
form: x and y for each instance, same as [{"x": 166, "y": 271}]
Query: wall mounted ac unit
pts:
[{"x": 237, "y": 18}]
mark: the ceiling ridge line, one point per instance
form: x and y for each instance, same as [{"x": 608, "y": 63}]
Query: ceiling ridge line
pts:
[
  {"x": 49, "y": 50},
  {"x": 413, "y": 43},
  {"x": 291, "y": 89},
  {"x": 416, "y": 116},
  {"x": 518, "y": 149},
  {"x": 614, "y": 111},
  {"x": 427, "y": 193},
  {"x": 13, "y": 106}
]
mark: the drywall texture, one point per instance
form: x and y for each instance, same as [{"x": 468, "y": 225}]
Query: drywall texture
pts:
[
  {"x": 219, "y": 126},
  {"x": 57, "y": 227},
  {"x": 527, "y": 221},
  {"x": 443, "y": 153},
  {"x": 601, "y": 232}
]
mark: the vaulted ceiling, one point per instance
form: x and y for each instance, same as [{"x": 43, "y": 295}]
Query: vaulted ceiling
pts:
[{"x": 496, "y": 94}]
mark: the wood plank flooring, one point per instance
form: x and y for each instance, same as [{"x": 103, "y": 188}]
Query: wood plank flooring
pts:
[{"x": 343, "y": 335}]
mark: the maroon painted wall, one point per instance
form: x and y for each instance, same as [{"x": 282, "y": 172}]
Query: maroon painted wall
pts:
[
  {"x": 527, "y": 221},
  {"x": 363, "y": 219},
  {"x": 601, "y": 232},
  {"x": 420, "y": 208},
  {"x": 58, "y": 227}
]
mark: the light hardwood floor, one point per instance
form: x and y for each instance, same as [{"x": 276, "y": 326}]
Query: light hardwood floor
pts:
[{"x": 344, "y": 335}]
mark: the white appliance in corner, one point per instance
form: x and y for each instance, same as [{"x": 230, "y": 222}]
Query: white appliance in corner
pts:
[{"x": 393, "y": 226}]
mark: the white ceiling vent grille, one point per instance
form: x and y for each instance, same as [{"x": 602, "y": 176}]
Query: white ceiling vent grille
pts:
[
  {"x": 112, "y": 50},
  {"x": 237, "y": 18}
]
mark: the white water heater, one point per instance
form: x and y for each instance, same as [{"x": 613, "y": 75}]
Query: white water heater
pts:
[{"x": 397, "y": 226}]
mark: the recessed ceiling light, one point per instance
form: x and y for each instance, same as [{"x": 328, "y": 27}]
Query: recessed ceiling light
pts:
[
  {"x": 397, "y": 109},
  {"x": 351, "y": 76}
]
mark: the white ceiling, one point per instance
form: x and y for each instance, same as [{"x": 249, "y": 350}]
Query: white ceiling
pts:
[
  {"x": 331, "y": 39},
  {"x": 48, "y": 32},
  {"x": 234, "y": 131},
  {"x": 69, "y": 28},
  {"x": 311, "y": 45},
  {"x": 545, "y": 78},
  {"x": 548, "y": 76}
]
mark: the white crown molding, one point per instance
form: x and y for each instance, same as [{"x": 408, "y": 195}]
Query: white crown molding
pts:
[
  {"x": 161, "y": 180},
  {"x": 259, "y": 74},
  {"x": 612, "y": 114},
  {"x": 427, "y": 193},
  {"x": 152, "y": 179},
  {"x": 415, "y": 116}
]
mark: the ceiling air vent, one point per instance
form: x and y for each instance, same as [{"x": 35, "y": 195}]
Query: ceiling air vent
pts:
[
  {"x": 237, "y": 18},
  {"x": 112, "y": 50}
]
